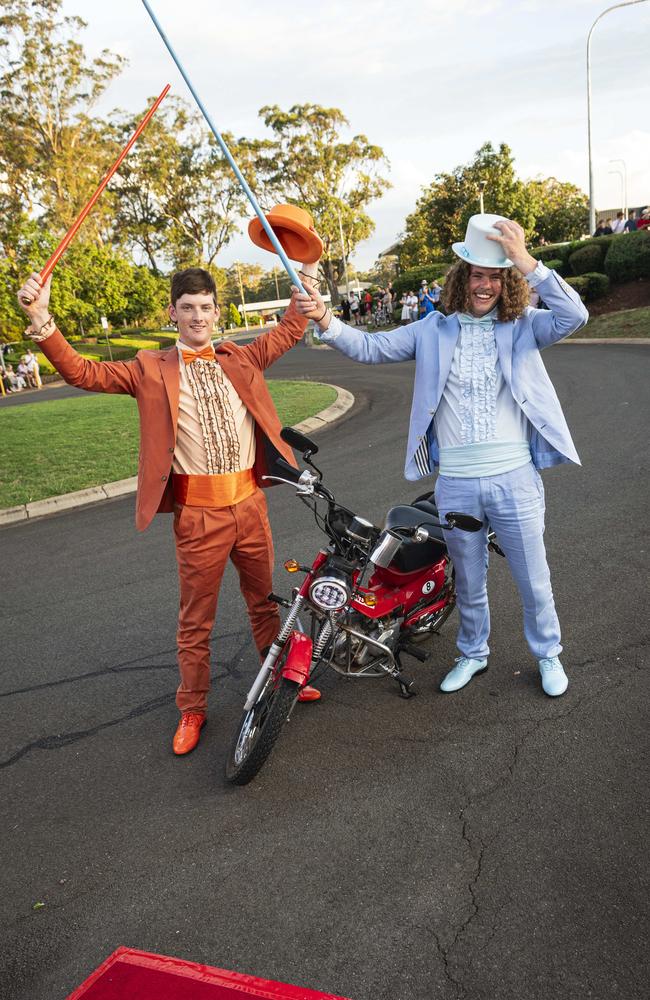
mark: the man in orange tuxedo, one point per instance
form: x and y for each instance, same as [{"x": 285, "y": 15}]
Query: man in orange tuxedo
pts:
[{"x": 209, "y": 432}]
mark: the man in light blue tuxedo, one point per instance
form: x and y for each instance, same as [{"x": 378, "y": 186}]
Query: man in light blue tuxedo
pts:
[{"x": 486, "y": 414}]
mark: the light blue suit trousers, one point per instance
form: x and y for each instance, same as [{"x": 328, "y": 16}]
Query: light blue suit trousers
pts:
[{"x": 513, "y": 505}]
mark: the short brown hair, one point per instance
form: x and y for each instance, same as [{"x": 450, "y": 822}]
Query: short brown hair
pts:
[
  {"x": 515, "y": 293},
  {"x": 192, "y": 281}
]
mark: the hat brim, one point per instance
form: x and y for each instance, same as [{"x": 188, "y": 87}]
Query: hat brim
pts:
[
  {"x": 461, "y": 251},
  {"x": 298, "y": 242}
]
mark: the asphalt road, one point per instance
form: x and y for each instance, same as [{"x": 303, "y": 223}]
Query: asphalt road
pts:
[{"x": 490, "y": 844}]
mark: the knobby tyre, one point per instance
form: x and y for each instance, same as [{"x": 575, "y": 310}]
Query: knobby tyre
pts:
[{"x": 259, "y": 729}]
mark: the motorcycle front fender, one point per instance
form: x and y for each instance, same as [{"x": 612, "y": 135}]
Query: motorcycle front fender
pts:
[{"x": 297, "y": 664}]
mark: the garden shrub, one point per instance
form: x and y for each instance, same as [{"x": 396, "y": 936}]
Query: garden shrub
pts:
[
  {"x": 412, "y": 278},
  {"x": 598, "y": 285},
  {"x": 590, "y": 286},
  {"x": 554, "y": 251},
  {"x": 580, "y": 284},
  {"x": 588, "y": 258},
  {"x": 556, "y": 265},
  {"x": 628, "y": 257}
]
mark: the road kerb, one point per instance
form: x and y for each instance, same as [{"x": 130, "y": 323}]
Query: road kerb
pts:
[{"x": 83, "y": 498}]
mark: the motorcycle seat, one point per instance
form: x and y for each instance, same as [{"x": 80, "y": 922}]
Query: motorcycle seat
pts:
[{"x": 413, "y": 556}]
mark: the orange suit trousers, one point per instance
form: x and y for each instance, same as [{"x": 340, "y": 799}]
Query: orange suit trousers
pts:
[{"x": 206, "y": 537}]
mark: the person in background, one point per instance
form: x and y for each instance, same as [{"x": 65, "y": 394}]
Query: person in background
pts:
[
  {"x": 345, "y": 309},
  {"x": 630, "y": 223},
  {"x": 16, "y": 382},
  {"x": 603, "y": 229},
  {"x": 33, "y": 369},
  {"x": 415, "y": 307},
  {"x": 355, "y": 308},
  {"x": 436, "y": 291},
  {"x": 405, "y": 302},
  {"x": 618, "y": 224},
  {"x": 425, "y": 300}
]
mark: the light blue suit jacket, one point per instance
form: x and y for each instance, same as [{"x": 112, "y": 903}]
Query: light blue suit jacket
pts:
[{"x": 431, "y": 342}]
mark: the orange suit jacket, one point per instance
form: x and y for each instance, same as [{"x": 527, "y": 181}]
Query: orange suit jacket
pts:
[{"x": 152, "y": 377}]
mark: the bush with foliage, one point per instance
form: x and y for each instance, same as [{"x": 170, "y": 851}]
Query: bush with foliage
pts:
[
  {"x": 588, "y": 258},
  {"x": 411, "y": 279},
  {"x": 556, "y": 265},
  {"x": 590, "y": 286},
  {"x": 628, "y": 257},
  {"x": 554, "y": 252}
]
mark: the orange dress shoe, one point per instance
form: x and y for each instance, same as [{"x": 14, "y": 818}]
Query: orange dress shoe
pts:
[
  {"x": 308, "y": 693},
  {"x": 189, "y": 730}
]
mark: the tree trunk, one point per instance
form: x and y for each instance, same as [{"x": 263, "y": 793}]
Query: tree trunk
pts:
[{"x": 331, "y": 275}]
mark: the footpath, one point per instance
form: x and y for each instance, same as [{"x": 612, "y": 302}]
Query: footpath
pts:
[{"x": 109, "y": 491}]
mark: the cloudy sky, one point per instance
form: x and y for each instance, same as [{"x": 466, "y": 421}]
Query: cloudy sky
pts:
[{"x": 428, "y": 80}]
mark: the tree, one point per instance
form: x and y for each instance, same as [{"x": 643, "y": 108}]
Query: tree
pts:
[
  {"x": 561, "y": 211},
  {"x": 233, "y": 316},
  {"x": 306, "y": 163},
  {"x": 548, "y": 209},
  {"x": 178, "y": 197},
  {"x": 52, "y": 154}
]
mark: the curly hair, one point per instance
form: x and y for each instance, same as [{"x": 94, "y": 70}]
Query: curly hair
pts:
[{"x": 515, "y": 293}]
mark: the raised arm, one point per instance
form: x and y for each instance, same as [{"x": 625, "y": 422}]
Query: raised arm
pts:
[
  {"x": 94, "y": 376},
  {"x": 268, "y": 347},
  {"x": 368, "y": 348},
  {"x": 566, "y": 312}
]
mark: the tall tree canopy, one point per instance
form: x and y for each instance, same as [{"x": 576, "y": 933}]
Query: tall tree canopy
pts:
[
  {"x": 546, "y": 209},
  {"x": 178, "y": 200},
  {"x": 52, "y": 152},
  {"x": 307, "y": 163}
]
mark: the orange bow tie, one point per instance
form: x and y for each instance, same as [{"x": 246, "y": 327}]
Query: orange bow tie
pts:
[{"x": 207, "y": 353}]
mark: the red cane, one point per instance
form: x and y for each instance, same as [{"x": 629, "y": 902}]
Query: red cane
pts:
[{"x": 72, "y": 232}]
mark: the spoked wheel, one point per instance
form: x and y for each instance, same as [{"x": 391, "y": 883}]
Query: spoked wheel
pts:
[{"x": 260, "y": 727}]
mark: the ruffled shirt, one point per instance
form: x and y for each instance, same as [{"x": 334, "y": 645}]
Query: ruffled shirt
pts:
[
  {"x": 479, "y": 426},
  {"x": 216, "y": 432}
]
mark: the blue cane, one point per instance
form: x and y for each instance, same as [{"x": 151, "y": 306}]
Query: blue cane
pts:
[{"x": 226, "y": 152}]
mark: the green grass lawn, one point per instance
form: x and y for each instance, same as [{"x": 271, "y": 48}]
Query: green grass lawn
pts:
[
  {"x": 70, "y": 444},
  {"x": 627, "y": 323}
]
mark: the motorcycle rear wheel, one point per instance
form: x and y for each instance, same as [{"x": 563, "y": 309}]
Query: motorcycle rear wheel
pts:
[{"x": 259, "y": 729}]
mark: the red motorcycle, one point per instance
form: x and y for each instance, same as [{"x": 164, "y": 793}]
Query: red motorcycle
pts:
[{"x": 371, "y": 595}]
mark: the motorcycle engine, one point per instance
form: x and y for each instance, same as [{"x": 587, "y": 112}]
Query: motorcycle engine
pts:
[{"x": 385, "y": 631}]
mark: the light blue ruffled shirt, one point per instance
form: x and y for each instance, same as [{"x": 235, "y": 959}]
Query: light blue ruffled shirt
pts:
[{"x": 480, "y": 428}]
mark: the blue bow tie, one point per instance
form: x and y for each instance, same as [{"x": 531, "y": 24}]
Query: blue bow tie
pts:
[{"x": 485, "y": 322}]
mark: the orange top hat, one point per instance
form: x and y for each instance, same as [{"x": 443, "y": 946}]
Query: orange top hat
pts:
[{"x": 294, "y": 228}]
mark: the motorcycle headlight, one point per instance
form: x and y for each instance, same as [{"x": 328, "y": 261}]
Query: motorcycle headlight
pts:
[{"x": 330, "y": 593}]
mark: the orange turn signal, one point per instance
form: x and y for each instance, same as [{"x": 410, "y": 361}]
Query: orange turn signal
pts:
[
  {"x": 370, "y": 600},
  {"x": 291, "y": 566}
]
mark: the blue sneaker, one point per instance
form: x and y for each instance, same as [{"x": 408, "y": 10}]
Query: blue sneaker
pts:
[
  {"x": 554, "y": 680},
  {"x": 462, "y": 673}
]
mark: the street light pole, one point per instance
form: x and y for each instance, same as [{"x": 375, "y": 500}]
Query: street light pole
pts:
[
  {"x": 345, "y": 261},
  {"x": 624, "y": 165},
  {"x": 592, "y": 204}
]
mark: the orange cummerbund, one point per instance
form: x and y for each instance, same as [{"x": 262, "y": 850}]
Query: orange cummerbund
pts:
[{"x": 214, "y": 491}]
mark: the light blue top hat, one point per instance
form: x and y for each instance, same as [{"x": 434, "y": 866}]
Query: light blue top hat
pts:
[{"x": 477, "y": 248}]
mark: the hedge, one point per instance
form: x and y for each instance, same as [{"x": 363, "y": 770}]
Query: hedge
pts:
[
  {"x": 628, "y": 257},
  {"x": 588, "y": 258},
  {"x": 556, "y": 265},
  {"x": 412, "y": 278},
  {"x": 590, "y": 286},
  {"x": 554, "y": 252}
]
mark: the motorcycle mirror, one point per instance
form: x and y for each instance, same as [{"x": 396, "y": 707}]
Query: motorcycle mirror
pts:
[
  {"x": 463, "y": 521},
  {"x": 298, "y": 441}
]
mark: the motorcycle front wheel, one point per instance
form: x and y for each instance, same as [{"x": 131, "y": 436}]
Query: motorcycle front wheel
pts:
[{"x": 259, "y": 729}]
